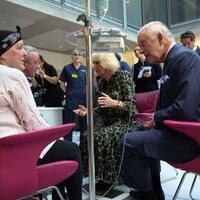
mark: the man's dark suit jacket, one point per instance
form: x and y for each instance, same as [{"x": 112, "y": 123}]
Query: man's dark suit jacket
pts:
[
  {"x": 198, "y": 50},
  {"x": 180, "y": 92}
]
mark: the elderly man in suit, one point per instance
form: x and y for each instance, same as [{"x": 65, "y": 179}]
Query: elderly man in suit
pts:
[{"x": 179, "y": 100}]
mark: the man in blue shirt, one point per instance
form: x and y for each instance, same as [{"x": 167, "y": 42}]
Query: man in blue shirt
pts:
[
  {"x": 123, "y": 65},
  {"x": 73, "y": 82}
]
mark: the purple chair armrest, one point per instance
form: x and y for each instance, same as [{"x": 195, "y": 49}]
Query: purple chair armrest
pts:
[
  {"x": 54, "y": 173},
  {"x": 142, "y": 117},
  {"x": 191, "y": 129}
]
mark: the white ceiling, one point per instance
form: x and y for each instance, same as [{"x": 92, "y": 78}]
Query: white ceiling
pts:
[
  {"x": 45, "y": 26},
  {"x": 40, "y": 30}
]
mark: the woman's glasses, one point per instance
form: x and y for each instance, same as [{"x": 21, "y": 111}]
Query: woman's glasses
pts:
[{"x": 76, "y": 54}]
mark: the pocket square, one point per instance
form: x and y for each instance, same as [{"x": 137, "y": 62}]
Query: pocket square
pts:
[{"x": 162, "y": 80}]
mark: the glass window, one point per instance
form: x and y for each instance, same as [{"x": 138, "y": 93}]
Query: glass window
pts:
[
  {"x": 155, "y": 10},
  {"x": 80, "y": 4},
  {"x": 57, "y": 1},
  {"x": 184, "y": 10},
  {"x": 134, "y": 13},
  {"x": 115, "y": 10}
]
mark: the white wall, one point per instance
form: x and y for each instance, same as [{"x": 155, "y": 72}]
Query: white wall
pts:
[
  {"x": 53, "y": 116},
  {"x": 58, "y": 60}
]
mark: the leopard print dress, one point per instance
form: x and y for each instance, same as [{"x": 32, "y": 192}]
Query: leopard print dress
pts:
[{"x": 112, "y": 124}]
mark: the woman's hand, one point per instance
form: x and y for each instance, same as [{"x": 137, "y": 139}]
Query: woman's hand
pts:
[
  {"x": 147, "y": 74},
  {"x": 106, "y": 101},
  {"x": 81, "y": 111},
  {"x": 40, "y": 72}
]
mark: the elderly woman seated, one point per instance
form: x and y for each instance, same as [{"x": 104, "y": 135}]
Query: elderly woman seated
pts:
[{"x": 116, "y": 106}]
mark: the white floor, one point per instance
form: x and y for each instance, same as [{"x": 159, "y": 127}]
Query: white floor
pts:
[
  {"x": 170, "y": 180},
  {"x": 170, "y": 187}
]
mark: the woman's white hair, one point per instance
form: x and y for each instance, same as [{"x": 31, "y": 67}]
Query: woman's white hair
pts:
[{"x": 107, "y": 60}]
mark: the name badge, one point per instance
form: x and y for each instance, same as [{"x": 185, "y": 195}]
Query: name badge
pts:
[{"x": 74, "y": 76}]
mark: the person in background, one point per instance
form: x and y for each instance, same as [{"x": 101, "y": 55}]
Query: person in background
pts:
[
  {"x": 73, "y": 83},
  {"x": 19, "y": 112},
  {"x": 148, "y": 81},
  {"x": 54, "y": 95},
  {"x": 188, "y": 40},
  {"x": 116, "y": 106},
  {"x": 179, "y": 100},
  {"x": 123, "y": 65},
  {"x": 46, "y": 88},
  {"x": 32, "y": 65}
]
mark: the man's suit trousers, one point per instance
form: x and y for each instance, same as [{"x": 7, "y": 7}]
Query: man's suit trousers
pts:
[{"x": 142, "y": 150}]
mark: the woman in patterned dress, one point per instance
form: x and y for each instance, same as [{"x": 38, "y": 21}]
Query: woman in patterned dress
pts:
[{"x": 116, "y": 102}]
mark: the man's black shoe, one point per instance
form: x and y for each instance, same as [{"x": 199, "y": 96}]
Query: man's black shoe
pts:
[
  {"x": 136, "y": 194},
  {"x": 160, "y": 195}
]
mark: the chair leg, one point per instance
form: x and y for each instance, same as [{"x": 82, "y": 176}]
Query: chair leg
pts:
[
  {"x": 192, "y": 186},
  {"x": 58, "y": 191},
  {"x": 49, "y": 190},
  {"x": 171, "y": 178},
  {"x": 180, "y": 185},
  {"x": 44, "y": 196}
]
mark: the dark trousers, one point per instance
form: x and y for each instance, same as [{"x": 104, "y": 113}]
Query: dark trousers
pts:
[
  {"x": 69, "y": 117},
  {"x": 65, "y": 150},
  {"x": 142, "y": 150}
]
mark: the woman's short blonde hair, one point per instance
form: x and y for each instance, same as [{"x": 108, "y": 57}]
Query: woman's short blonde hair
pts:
[{"x": 107, "y": 60}]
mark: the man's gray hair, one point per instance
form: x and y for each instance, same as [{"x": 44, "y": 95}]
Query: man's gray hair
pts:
[
  {"x": 29, "y": 48},
  {"x": 155, "y": 27}
]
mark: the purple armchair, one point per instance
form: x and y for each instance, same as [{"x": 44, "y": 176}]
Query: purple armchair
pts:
[
  {"x": 146, "y": 103},
  {"x": 19, "y": 174},
  {"x": 192, "y": 130}
]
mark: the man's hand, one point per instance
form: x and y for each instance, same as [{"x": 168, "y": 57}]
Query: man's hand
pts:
[{"x": 149, "y": 124}]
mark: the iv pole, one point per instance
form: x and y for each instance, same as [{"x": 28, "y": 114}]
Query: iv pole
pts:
[{"x": 90, "y": 140}]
